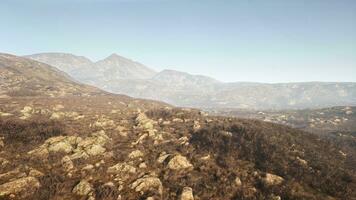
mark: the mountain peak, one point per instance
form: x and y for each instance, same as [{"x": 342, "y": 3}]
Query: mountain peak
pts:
[{"x": 115, "y": 56}]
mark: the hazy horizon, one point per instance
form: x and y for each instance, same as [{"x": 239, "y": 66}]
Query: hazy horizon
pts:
[{"x": 244, "y": 41}]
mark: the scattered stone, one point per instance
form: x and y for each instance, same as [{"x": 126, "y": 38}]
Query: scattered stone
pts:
[
  {"x": 274, "y": 197},
  {"x": 121, "y": 168},
  {"x": 100, "y": 163},
  {"x": 59, "y": 115},
  {"x": 187, "y": 194},
  {"x": 83, "y": 188},
  {"x": 136, "y": 154},
  {"x": 272, "y": 179},
  {"x": 207, "y": 157},
  {"x": 4, "y": 162},
  {"x": 110, "y": 184},
  {"x": 302, "y": 161},
  {"x": 104, "y": 122},
  {"x": 22, "y": 187},
  {"x": 26, "y": 112},
  {"x": 349, "y": 112},
  {"x": 58, "y": 107},
  {"x": 162, "y": 157},
  {"x": 142, "y": 165},
  {"x": 122, "y": 131},
  {"x": 88, "y": 167},
  {"x": 166, "y": 122},
  {"x": 2, "y": 143},
  {"x": 178, "y": 120},
  {"x": 3, "y": 114},
  {"x": 226, "y": 133},
  {"x": 35, "y": 173},
  {"x": 196, "y": 126},
  {"x": 342, "y": 153},
  {"x": 179, "y": 162},
  {"x": 140, "y": 139},
  {"x": 238, "y": 182},
  {"x": 184, "y": 140}
]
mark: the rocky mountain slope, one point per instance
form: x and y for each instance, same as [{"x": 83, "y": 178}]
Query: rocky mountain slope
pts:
[
  {"x": 115, "y": 147},
  {"x": 24, "y": 77},
  {"x": 120, "y": 75}
]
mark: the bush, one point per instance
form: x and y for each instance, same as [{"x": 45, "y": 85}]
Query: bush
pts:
[{"x": 31, "y": 131}]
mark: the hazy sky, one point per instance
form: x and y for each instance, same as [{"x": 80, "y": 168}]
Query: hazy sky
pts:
[{"x": 252, "y": 40}]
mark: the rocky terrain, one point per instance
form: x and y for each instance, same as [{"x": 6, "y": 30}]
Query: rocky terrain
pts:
[
  {"x": 106, "y": 146},
  {"x": 324, "y": 120},
  {"x": 124, "y": 76}
]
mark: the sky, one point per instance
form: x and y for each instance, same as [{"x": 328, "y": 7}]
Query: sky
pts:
[{"x": 230, "y": 40}]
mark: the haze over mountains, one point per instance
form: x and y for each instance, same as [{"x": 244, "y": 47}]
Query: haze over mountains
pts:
[{"x": 121, "y": 75}]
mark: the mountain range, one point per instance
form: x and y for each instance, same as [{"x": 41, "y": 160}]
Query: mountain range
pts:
[{"x": 123, "y": 76}]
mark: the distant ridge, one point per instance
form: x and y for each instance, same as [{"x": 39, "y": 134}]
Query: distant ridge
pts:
[{"x": 121, "y": 75}]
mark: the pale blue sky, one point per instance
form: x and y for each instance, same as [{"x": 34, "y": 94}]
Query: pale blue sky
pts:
[{"x": 252, "y": 40}]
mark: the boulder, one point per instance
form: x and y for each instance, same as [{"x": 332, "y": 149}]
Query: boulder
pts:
[
  {"x": 272, "y": 179},
  {"x": 147, "y": 184},
  {"x": 179, "y": 162},
  {"x": 187, "y": 194},
  {"x": 83, "y": 188},
  {"x": 238, "y": 182}
]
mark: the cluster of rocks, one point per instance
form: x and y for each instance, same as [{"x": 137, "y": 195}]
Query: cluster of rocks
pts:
[
  {"x": 19, "y": 182},
  {"x": 75, "y": 146}
]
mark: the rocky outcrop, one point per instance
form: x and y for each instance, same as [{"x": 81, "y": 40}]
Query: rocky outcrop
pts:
[
  {"x": 147, "y": 184},
  {"x": 20, "y": 188},
  {"x": 76, "y": 146},
  {"x": 144, "y": 122}
]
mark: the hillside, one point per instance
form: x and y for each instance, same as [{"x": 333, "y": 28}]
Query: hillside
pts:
[
  {"x": 63, "y": 61},
  {"x": 124, "y": 76},
  {"x": 115, "y": 147},
  {"x": 24, "y": 77}
]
